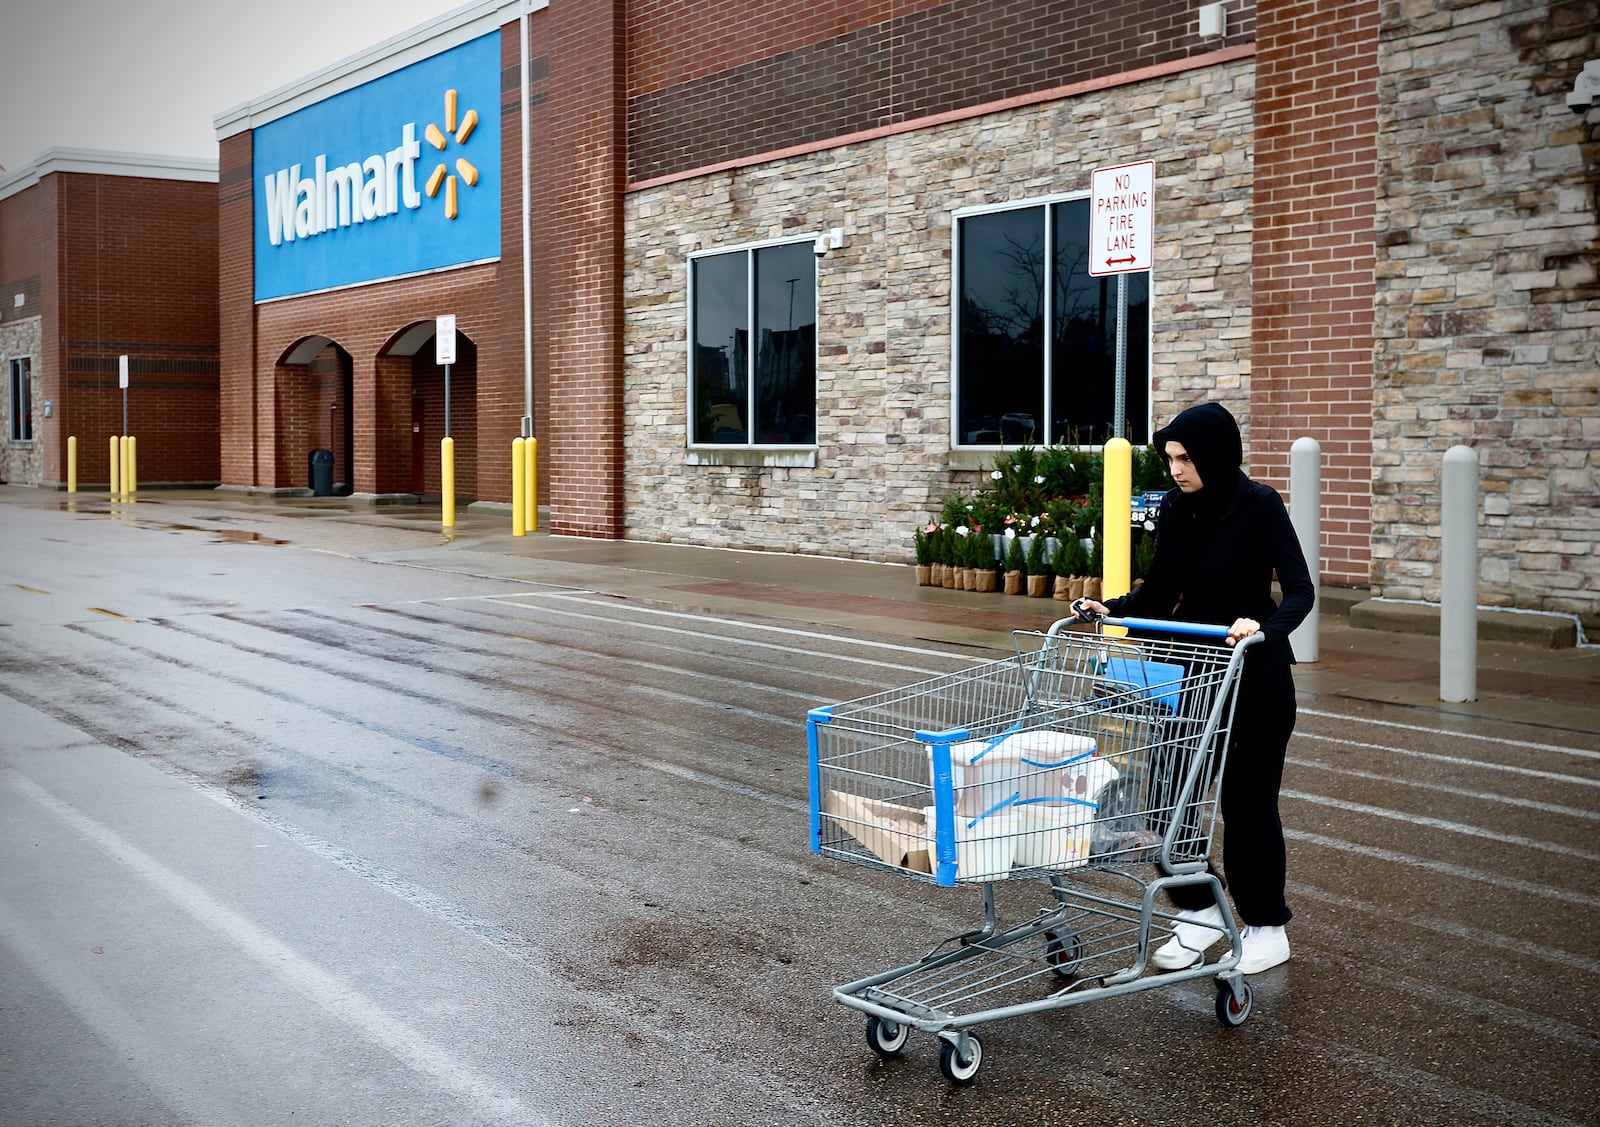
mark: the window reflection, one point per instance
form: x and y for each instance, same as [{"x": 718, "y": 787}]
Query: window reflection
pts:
[
  {"x": 760, "y": 388},
  {"x": 1003, "y": 348}
]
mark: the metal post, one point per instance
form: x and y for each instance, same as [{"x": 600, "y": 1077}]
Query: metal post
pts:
[
  {"x": 1458, "y": 575},
  {"x": 72, "y": 463},
  {"x": 1116, "y": 506},
  {"x": 530, "y": 450},
  {"x": 1118, "y": 429},
  {"x": 1305, "y": 513},
  {"x": 116, "y": 462},
  {"x": 447, "y": 481},
  {"x": 519, "y": 489},
  {"x": 447, "y": 401}
]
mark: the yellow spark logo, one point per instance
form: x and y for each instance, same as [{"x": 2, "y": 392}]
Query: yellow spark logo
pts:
[{"x": 439, "y": 139}]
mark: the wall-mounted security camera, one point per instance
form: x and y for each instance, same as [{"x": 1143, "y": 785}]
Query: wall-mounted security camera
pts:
[
  {"x": 1586, "y": 88},
  {"x": 831, "y": 239}
]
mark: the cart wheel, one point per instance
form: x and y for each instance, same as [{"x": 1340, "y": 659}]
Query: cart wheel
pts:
[
  {"x": 1233, "y": 1011},
  {"x": 887, "y": 1037},
  {"x": 959, "y": 1069},
  {"x": 1066, "y": 956}
]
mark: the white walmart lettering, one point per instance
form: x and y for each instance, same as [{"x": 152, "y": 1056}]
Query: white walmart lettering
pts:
[{"x": 300, "y": 207}]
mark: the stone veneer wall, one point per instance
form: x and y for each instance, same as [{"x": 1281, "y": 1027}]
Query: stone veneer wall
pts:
[
  {"x": 22, "y": 463},
  {"x": 1488, "y": 304},
  {"x": 883, "y": 328}
]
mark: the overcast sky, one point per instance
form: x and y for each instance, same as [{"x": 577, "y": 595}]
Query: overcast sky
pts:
[{"x": 148, "y": 76}]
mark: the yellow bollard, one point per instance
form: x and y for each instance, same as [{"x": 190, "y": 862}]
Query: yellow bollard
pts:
[
  {"x": 72, "y": 463},
  {"x": 130, "y": 477},
  {"x": 530, "y": 450},
  {"x": 447, "y": 481},
  {"x": 116, "y": 460},
  {"x": 1116, "y": 506},
  {"x": 519, "y": 489}
]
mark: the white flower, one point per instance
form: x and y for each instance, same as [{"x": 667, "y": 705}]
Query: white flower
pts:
[
  {"x": 1038, "y": 479},
  {"x": 1034, "y": 523},
  {"x": 997, "y": 475},
  {"x": 1010, "y": 534},
  {"x": 962, "y": 530}
]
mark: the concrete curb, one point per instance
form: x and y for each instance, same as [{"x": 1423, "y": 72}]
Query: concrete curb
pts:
[{"x": 1547, "y": 630}]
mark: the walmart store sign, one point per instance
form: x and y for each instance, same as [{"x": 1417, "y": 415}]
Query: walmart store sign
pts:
[{"x": 398, "y": 176}]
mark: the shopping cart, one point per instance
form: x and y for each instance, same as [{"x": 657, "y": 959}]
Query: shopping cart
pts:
[{"x": 1090, "y": 759}]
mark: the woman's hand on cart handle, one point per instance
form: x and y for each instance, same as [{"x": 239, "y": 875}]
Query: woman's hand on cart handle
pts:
[
  {"x": 1242, "y": 629},
  {"x": 1087, "y": 610}
]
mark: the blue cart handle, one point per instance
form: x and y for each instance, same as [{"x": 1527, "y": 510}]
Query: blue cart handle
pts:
[{"x": 1197, "y": 629}]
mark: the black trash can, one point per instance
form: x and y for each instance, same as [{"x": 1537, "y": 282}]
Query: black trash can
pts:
[{"x": 322, "y": 473}]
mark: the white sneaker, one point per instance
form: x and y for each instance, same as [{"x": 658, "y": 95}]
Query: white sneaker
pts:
[
  {"x": 1262, "y": 948},
  {"x": 1193, "y": 933}
]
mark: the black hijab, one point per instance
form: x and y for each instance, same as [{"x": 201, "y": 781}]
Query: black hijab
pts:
[{"x": 1211, "y": 436}]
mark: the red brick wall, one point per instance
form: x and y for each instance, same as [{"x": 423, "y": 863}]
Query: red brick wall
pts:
[
  {"x": 28, "y": 267},
  {"x": 1313, "y": 260},
  {"x": 236, "y": 297},
  {"x": 27, "y": 247},
  {"x": 138, "y": 276},
  {"x": 732, "y": 33},
  {"x": 365, "y": 321},
  {"x": 582, "y": 143},
  {"x": 764, "y": 76}
]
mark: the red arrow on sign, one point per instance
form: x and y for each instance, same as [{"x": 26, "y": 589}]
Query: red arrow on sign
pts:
[{"x": 1114, "y": 261}]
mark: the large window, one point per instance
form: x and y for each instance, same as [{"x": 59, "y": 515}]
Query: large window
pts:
[
  {"x": 1035, "y": 348},
  {"x": 753, "y": 353},
  {"x": 21, "y": 402}
]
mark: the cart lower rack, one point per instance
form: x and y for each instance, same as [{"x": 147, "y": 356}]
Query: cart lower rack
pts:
[{"x": 1088, "y": 761}]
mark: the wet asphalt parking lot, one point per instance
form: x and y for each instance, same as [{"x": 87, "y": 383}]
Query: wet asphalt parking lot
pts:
[{"x": 315, "y": 818}]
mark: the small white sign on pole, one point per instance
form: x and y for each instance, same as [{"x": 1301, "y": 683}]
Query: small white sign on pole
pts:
[
  {"x": 444, "y": 340},
  {"x": 1122, "y": 218},
  {"x": 122, "y": 372}
]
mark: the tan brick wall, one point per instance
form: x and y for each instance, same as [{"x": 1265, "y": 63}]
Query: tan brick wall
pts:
[
  {"x": 1488, "y": 304},
  {"x": 883, "y": 404},
  {"x": 23, "y": 462}
]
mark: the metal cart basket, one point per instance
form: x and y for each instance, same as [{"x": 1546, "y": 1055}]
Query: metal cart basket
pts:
[{"x": 1087, "y": 760}]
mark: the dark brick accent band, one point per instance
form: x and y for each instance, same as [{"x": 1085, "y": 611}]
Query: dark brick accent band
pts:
[{"x": 942, "y": 59}]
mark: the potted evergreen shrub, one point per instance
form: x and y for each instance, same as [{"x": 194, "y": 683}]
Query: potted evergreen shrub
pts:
[
  {"x": 1038, "y": 570},
  {"x": 984, "y": 573},
  {"x": 923, "y": 541},
  {"x": 1016, "y": 566}
]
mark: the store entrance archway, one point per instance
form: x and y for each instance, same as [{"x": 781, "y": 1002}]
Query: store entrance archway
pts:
[
  {"x": 315, "y": 378},
  {"x": 415, "y": 386}
]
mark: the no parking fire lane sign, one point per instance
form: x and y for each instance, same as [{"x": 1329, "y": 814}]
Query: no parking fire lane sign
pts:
[{"x": 1121, "y": 218}]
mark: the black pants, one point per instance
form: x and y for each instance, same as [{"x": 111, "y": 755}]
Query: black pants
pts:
[{"x": 1253, "y": 859}]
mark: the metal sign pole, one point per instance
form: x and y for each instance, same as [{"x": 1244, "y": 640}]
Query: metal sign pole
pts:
[
  {"x": 1121, "y": 405},
  {"x": 447, "y": 401}
]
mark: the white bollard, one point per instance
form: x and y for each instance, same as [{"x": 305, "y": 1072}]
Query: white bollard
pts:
[
  {"x": 1458, "y": 575},
  {"x": 1305, "y": 513}
]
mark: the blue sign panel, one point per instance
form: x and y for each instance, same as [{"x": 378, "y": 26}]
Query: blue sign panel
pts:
[{"x": 397, "y": 176}]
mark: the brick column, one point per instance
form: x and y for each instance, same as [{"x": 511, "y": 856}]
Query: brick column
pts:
[
  {"x": 236, "y": 309},
  {"x": 582, "y": 142},
  {"x": 1316, "y": 181}
]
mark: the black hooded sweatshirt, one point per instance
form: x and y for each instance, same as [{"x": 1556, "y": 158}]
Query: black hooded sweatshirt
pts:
[{"x": 1218, "y": 548}]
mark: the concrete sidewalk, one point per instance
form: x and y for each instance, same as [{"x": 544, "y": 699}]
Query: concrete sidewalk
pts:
[{"x": 1520, "y": 678}]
